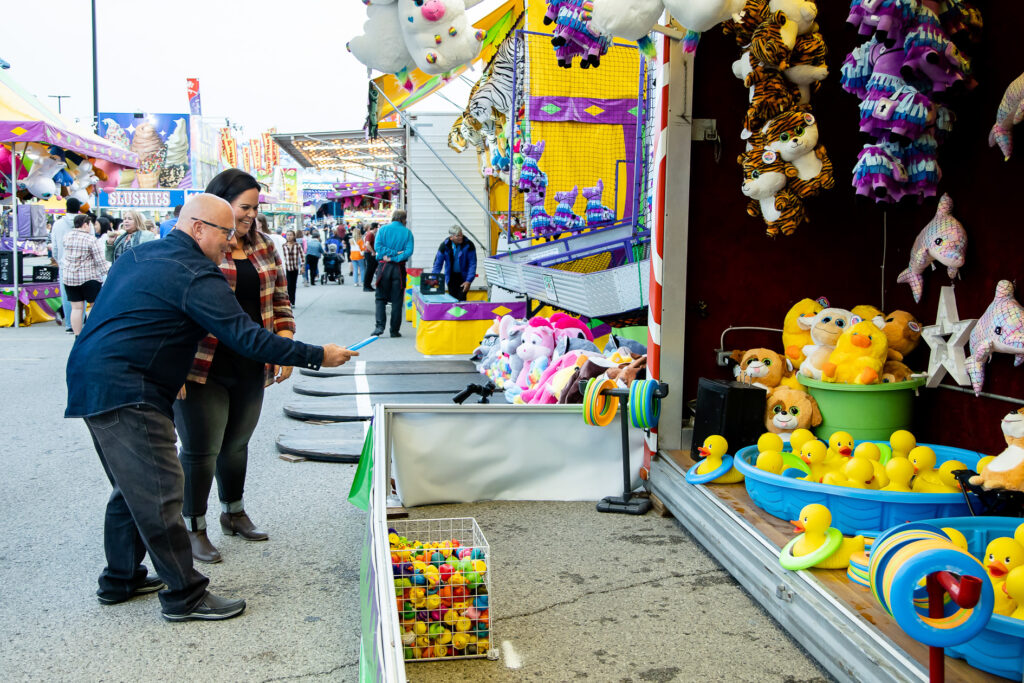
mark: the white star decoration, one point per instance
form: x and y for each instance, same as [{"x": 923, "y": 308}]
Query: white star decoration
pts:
[{"x": 946, "y": 339}]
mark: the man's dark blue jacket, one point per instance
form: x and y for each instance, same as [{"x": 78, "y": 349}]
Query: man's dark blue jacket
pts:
[{"x": 160, "y": 299}]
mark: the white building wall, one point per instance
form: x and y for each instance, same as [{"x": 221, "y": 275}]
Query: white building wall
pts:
[{"x": 428, "y": 219}]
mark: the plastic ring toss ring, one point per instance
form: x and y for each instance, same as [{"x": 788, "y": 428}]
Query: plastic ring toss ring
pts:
[
  {"x": 644, "y": 408},
  {"x": 693, "y": 478},
  {"x": 598, "y": 409}
]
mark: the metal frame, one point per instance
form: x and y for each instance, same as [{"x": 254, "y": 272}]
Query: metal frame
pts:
[{"x": 844, "y": 644}]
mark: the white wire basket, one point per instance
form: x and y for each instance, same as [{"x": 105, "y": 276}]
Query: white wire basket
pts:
[{"x": 445, "y": 611}]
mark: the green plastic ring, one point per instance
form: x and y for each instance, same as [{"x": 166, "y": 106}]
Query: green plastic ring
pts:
[{"x": 833, "y": 539}]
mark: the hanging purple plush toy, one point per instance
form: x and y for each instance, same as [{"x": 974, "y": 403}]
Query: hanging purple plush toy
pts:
[
  {"x": 565, "y": 218},
  {"x": 531, "y": 178},
  {"x": 540, "y": 221},
  {"x": 598, "y": 215}
]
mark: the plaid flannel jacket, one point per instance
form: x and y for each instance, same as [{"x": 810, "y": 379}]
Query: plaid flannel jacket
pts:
[
  {"x": 83, "y": 258},
  {"x": 275, "y": 306},
  {"x": 293, "y": 256}
]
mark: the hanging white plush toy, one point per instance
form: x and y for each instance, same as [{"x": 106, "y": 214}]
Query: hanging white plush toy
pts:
[
  {"x": 39, "y": 181},
  {"x": 382, "y": 45},
  {"x": 700, "y": 15},
  {"x": 438, "y": 34},
  {"x": 627, "y": 19}
]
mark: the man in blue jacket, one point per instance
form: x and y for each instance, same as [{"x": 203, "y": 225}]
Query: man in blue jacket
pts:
[
  {"x": 394, "y": 245},
  {"x": 456, "y": 258},
  {"x": 123, "y": 374}
]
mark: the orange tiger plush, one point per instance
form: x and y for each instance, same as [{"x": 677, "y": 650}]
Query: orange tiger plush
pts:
[
  {"x": 794, "y": 136},
  {"x": 764, "y": 181},
  {"x": 742, "y": 26},
  {"x": 773, "y": 41},
  {"x": 770, "y": 93}
]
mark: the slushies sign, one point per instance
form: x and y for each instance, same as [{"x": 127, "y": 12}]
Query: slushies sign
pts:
[{"x": 130, "y": 199}]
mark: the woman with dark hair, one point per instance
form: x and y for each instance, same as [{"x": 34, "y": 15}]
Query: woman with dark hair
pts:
[
  {"x": 220, "y": 404},
  {"x": 102, "y": 226}
]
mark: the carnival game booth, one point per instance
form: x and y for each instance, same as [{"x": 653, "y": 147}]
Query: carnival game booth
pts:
[{"x": 42, "y": 156}]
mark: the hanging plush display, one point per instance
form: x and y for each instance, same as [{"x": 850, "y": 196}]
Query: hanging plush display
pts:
[
  {"x": 999, "y": 330},
  {"x": 1009, "y": 114},
  {"x": 905, "y": 75},
  {"x": 781, "y": 67},
  {"x": 944, "y": 240},
  {"x": 434, "y": 36}
]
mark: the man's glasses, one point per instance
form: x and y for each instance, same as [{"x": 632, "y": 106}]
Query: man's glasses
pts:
[{"x": 230, "y": 231}]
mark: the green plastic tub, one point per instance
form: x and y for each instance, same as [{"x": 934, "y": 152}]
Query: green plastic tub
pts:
[{"x": 869, "y": 412}]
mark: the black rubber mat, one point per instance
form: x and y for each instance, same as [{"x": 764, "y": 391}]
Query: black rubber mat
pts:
[
  {"x": 393, "y": 367},
  {"x": 388, "y": 384},
  {"x": 353, "y": 408},
  {"x": 338, "y": 442}
]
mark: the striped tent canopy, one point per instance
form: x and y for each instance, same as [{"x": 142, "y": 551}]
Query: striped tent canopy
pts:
[{"x": 23, "y": 118}]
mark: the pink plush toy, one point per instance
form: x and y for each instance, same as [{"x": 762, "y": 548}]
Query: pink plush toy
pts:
[
  {"x": 572, "y": 326},
  {"x": 538, "y": 342}
]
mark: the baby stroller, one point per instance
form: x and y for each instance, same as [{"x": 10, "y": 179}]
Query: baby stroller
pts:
[{"x": 332, "y": 266}]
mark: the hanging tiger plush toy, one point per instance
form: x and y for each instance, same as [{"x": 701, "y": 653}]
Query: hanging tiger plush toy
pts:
[
  {"x": 793, "y": 135},
  {"x": 807, "y": 64},
  {"x": 770, "y": 93},
  {"x": 742, "y": 26},
  {"x": 765, "y": 175},
  {"x": 773, "y": 41}
]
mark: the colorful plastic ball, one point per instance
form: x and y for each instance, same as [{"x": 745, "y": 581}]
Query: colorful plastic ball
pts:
[
  {"x": 481, "y": 602},
  {"x": 473, "y": 579},
  {"x": 435, "y": 629},
  {"x": 478, "y": 554},
  {"x": 437, "y": 559},
  {"x": 436, "y": 615},
  {"x": 446, "y": 571},
  {"x": 410, "y": 652},
  {"x": 479, "y": 566},
  {"x": 417, "y": 580},
  {"x": 465, "y": 552},
  {"x": 463, "y": 624},
  {"x": 419, "y": 628},
  {"x": 457, "y": 579},
  {"x": 465, "y": 565}
]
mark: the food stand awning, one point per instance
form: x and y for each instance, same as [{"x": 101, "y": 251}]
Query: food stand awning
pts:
[
  {"x": 347, "y": 150},
  {"x": 23, "y": 118}
]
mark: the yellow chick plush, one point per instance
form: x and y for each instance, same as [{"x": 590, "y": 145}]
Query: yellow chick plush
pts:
[
  {"x": 858, "y": 473},
  {"x": 794, "y": 337},
  {"x": 798, "y": 438},
  {"x": 1002, "y": 556},
  {"x": 900, "y": 471},
  {"x": 840, "y": 449},
  {"x": 871, "y": 452},
  {"x": 1014, "y": 589},
  {"x": 866, "y": 312},
  {"x": 713, "y": 450},
  {"x": 858, "y": 357},
  {"x": 814, "y": 521},
  {"x": 902, "y": 442},
  {"x": 813, "y": 453}
]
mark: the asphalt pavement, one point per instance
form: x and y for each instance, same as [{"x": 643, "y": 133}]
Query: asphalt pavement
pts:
[{"x": 581, "y": 595}]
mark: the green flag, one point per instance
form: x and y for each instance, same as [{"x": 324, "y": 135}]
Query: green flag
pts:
[{"x": 359, "y": 495}]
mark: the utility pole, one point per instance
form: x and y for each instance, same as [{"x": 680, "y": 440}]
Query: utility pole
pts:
[
  {"x": 59, "y": 99},
  {"x": 95, "y": 77}
]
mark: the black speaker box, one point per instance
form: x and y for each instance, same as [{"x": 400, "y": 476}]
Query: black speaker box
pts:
[
  {"x": 730, "y": 409},
  {"x": 45, "y": 273},
  {"x": 7, "y": 268}
]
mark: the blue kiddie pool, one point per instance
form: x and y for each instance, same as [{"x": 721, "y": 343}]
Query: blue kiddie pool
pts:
[
  {"x": 999, "y": 648},
  {"x": 854, "y": 511}
]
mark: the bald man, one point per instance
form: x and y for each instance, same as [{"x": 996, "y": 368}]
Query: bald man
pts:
[{"x": 160, "y": 299}]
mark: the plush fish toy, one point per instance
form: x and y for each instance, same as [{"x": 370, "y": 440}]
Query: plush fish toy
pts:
[
  {"x": 944, "y": 240},
  {"x": 1000, "y": 329},
  {"x": 1009, "y": 114}
]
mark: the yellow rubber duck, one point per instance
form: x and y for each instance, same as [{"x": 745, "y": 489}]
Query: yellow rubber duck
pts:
[
  {"x": 835, "y": 478},
  {"x": 858, "y": 357},
  {"x": 902, "y": 443},
  {"x": 814, "y": 521},
  {"x": 770, "y": 442},
  {"x": 770, "y": 461},
  {"x": 900, "y": 471},
  {"x": 983, "y": 462},
  {"x": 799, "y": 437},
  {"x": 858, "y": 473},
  {"x": 872, "y": 453},
  {"x": 926, "y": 478},
  {"x": 813, "y": 453},
  {"x": 840, "y": 449},
  {"x": 714, "y": 449},
  {"x": 1002, "y": 556},
  {"x": 1018, "y": 535},
  {"x": 794, "y": 336},
  {"x": 958, "y": 539},
  {"x": 1014, "y": 589},
  {"x": 945, "y": 473}
]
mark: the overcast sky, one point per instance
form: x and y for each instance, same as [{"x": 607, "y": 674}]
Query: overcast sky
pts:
[{"x": 260, "y": 63}]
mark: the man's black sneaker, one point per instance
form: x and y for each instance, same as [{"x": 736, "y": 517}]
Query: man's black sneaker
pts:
[
  {"x": 150, "y": 585},
  {"x": 210, "y": 608},
  {"x": 377, "y": 333},
  {"x": 396, "y": 334}
]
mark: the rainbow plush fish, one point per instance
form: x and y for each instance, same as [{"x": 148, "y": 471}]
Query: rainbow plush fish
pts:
[
  {"x": 1009, "y": 114},
  {"x": 944, "y": 240},
  {"x": 1000, "y": 329}
]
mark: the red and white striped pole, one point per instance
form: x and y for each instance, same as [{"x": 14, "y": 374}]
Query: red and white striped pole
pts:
[{"x": 657, "y": 241}]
